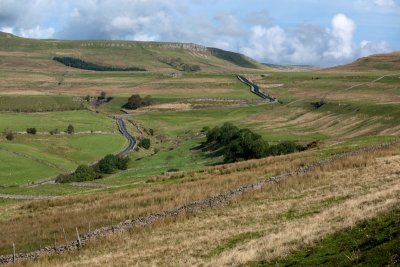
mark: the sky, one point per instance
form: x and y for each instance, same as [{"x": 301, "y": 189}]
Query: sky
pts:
[{"x": 306, "y": 32}]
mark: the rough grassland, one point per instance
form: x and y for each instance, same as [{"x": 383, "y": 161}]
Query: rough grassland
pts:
[
  {"x": 370, "y": 243},
  {"x": 265, "y": 225}
]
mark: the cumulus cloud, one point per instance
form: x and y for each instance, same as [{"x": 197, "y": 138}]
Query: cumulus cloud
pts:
[
  {"x": 38, "y": 32},
  {"x": 368, "y": 48},
  {"x": 24, "y": 15},
  {"x": 310, "y": 44},
  {"x": 341, "y": 41},
  {"x": 252, "y": 32}
]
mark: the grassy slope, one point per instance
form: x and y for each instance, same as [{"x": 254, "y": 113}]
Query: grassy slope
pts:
[
  {"x": 44, "y": 155},
  {"x": 266, "y": 224},
  {"x": 47, "y": 156},
  {"x": 381, "y": 62},
  {"x": 371, "y": 243},
  {"x": 124, "y": 53}
]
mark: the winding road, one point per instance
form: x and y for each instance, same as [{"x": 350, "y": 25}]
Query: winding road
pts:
[
  {"x": 255, "y": 89},
  {"x": 131, "y": 139}
]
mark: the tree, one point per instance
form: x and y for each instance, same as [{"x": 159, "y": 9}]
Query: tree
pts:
[
  {"x": 147, "y": 101},
  {"x": 70, "y": 129},
  {"x": 9, "y": 135},
  {"x": 107, "y": 164},
  {"x": 134, "y": 102},
  {"x": 145, "y": 143},
  {"x": 103, "y": 95},
  {"x": 31, "y": 130},
  {"x": 122, "y": 163}
]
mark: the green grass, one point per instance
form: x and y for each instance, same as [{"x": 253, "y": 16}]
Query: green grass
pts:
[
  {"x": 38, "y": 103},
  {"x": 82, "y": 120},
  {"x": 27, "y": 159},
  {"x": 182, "y": 157},
  {"x": 372, "y": 243},
  {"x": 177, "y": 122}
]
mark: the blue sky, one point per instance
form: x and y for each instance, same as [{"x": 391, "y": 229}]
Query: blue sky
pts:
[{"x": 275, "y": 31}]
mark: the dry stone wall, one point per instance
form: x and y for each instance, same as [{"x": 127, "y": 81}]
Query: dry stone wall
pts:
[{"x": 196, "y": 206}]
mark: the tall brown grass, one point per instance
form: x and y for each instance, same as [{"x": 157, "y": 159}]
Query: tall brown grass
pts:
[{"x": 265, "y": 224}]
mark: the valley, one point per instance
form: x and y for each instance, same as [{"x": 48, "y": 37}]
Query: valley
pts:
[{"x": 326, "y": 111}]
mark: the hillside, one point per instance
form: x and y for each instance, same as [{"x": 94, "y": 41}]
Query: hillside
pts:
[
  {"x": 152, "y": 56},
  {"x": 379, "y": 62}
]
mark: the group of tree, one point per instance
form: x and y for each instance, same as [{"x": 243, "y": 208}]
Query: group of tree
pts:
[
  {"x": 106, "y": 165},
  {"x": 136, "y": 101},
  {"x": 81, "y": 64},
  {"x": 243, "y": 144}
]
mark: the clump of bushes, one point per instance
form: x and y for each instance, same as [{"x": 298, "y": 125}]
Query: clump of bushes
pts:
[
  {"x": 145, "y": 143},
  {"x": 106, "y": 165},
  {"x": 319, "y": 104},
  {"x": 242, "y": 144},
  {"x": 9, "y": 135},
  {"x": 31, "y": 130},
  {"x": 136, "y": 101}
]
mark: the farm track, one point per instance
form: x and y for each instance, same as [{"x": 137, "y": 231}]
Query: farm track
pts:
[{"x": 196, "y": 206}]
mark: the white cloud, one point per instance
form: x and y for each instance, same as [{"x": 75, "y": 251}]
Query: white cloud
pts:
[
  {"x": 310, "y": 44},
  {"x": 341, "y": 41},
  {"x": 385, "y": 3},
  {"x": 266, "y": 43},
  {"x": 38, "y": 32},
  {"x": 7, "y": 29},
  {"x": 369, "y": 48}
]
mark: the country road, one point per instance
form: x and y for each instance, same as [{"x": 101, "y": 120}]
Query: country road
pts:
[
  {"x": 255, "y": 89},
  {"x": 131, "y": 140}
]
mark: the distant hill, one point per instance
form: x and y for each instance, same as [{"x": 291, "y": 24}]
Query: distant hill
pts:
[
  {"x": 152, "y": 56},
  {"x": 290, "y": 67},
  {"x": 388, "y": 62}
]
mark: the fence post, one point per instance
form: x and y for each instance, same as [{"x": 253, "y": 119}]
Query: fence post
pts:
[
  {"x": 79, "y": 239},
  {"x": 13, "y": 252},
  {"x": 65, "y": 236},
  {"x": 55, "y": 243}
]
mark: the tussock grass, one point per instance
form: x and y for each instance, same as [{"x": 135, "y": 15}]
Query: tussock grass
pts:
[{"x": 325, "y": 201}]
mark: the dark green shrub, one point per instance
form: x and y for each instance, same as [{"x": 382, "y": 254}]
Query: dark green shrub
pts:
[
  {"x": 136, "y": 101},
  {"x": 70, "y": 129},
  {"x": 107, "y": 165},
  {"x": 31, "y": 130},
  {"x": 82, "y": 173},
  {"x": 9, "y": 135},
  {"x": 145, "y": 143}
]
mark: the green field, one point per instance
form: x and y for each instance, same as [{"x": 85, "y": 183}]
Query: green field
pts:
[
  {"x": 38, "y": 103},
  {"x": 47, "y": 156},
  {"x": 82, "y": 120}
]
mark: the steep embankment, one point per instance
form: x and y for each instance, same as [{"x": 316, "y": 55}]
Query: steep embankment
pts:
[{"x": 154, "y": 56}]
